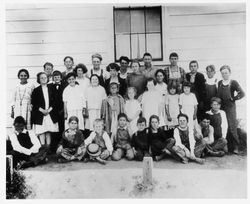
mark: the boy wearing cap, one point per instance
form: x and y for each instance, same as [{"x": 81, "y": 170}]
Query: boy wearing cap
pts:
[
  {"x": 122, "y": 140},
  {"x": 102, "y": 139},
  {"x": 139, "y": 142}
]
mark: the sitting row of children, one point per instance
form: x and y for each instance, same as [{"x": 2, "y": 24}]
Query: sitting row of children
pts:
[{"x": 182, "y": 143}]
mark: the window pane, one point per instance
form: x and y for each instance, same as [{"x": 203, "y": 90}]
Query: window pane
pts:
[
  {"x": 138, "y": 45},
  {"x": 122, "y": 46},
  {"x": 122, "y": 21},
  {"x": 153, "y": 20},
  {"x": 154, "y": 45},
  {"x": 137, "y": 21}
]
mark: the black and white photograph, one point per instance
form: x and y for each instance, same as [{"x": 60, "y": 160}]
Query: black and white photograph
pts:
[{"x": 125, "y": 100}]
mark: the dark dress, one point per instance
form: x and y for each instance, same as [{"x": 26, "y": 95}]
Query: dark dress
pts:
[
  {"x": 37, "y": 101},
  {"x": 122, "y": 86},
  {"x": 138, "y": 81},
  {"x": 160, "y": 140},
  {"x": 226, "y": 93}
]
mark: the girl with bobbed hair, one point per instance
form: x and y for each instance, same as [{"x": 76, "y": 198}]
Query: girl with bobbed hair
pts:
[
  {"x": 22, "y": 97},
  {"x": 44, "y": 114}
]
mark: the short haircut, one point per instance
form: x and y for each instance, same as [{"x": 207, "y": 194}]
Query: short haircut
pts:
[
  {"x": 135, "y": 61},
  {"x": 153, "y": 117},
  {"x": 70, "y": 75},
  {"x": 122, "y": 115},
  {"x": 57, "y": 73},
  {"x": 114, "y": 83},
  {"x": 215, "y": 99},
  {"x": 131, "y": 88},
  {"x": 98, "y": 120},
  {"x": 151, "y": 79},
  {"x": 19, "y": 120},
  {"x": 172, "y": 85},
  {"x": 161, "y": 71},
  {"x": 211, "y": 66},
  {"x": 73, "y": 118},
  {"x": 187, "y": 83},
  {"x": 141, "y": 120},
  {"x": 147, "y": 54},
  {"x": 25, "y": 71},
  {"x": 193, "y": 61},
  {"x": 173, "y": 54},
  {"x": 225, "y": 67},
  {"x": 125, "y": 58},
  {"x": 113, "y": 66},
  {"x": 82, "y": 67},
  {"x": 94, "y": 75},
  {"x": 48, "y": 64},
  {"x": 97, "y": 55},
  {"x": 71, "y": 58},
  {"x": 38, "y": 77},
  {"x": 182, "y": 115},
  {"x": 205, "y": 116}
]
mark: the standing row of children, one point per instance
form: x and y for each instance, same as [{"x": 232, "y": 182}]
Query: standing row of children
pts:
[{"x": 87, "y": 99}]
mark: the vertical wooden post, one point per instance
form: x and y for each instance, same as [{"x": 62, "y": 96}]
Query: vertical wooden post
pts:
[
  {"x": 10, "y": 165},
  {"x": 147, "y": 171}
]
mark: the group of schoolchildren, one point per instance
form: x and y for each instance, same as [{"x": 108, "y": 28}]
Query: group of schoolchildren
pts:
[{"x": 126, "y": 112}]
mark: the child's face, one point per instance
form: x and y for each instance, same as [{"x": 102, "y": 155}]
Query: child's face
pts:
[
  {"x": 94, "y": 81},
  {"x": 131, "y": 94},
  {"x": 150, "y": 85},
  {"x": 43, "y": 79},
  {"x": 71, "y": 81},
  {"x": 154, "y": 124},
  {"x": 68, "y": 63},
  {"x": 96, "y": 62},
  {"x": 182, "y": 122},
  {"x": 186, "y": 89},
  {"x": 225, "y": 74},
  {"x": 48, "y": 69},
  {"x": 135, "y": 67},
  {"x": 23, "y": 77},
  {"x": 172, "y": 91},
  {"x": 79, "y": 72},
  {"x": 114, "y": 89},
  {"x": 98, "y": 127},
  {"x": 113, "y": 73},
  {"x": 159, "y": 77},
  {"x": 147, "y": 61},
  {"x": 173, "y": 61},
  {"x": 193, "y": 67},
  {"x": 215, "y": 106},
  {"x": 205, "y": 123},
  {"x": 122, "y": 122},
  {"x": 141, "y": 126},
  {"x": 57, "y": 79},
  {"x": 73, "y": 125},
  {"x": 210, "y": 73},
  {"x": 19, "y": 127}
]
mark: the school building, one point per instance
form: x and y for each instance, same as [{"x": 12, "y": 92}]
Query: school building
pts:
[{"x": 209, "y": 33}]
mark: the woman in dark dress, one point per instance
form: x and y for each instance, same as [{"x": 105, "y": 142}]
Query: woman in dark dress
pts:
[{"x": 226, "y": 91}]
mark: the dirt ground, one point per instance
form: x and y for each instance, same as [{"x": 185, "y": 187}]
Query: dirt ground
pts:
[{"x": 224, "y": 177}]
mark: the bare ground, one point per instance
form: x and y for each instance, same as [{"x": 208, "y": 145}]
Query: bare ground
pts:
[{"x": 224, "y": 177}]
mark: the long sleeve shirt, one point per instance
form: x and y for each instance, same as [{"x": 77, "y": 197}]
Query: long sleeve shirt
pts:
[
  {"x": 224, "y": 124},
  {"x": 178, "y": 141},
  {"x": 19, "y": 148},
  {"x": 105, "y": 137}
]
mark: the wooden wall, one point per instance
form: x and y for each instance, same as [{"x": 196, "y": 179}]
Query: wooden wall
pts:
[{"x": 36, "y": 33}]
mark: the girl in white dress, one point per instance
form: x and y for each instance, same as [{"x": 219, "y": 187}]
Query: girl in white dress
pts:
[
  {"x": 151, "y": 100},
  {"x": 172, "y": 105},
  {"x": 162, "y": 87},
  {"x": 74, "y": 101},
  {"x": 188, "y": 105},
  {"x": 81, "y": 78},
  {"x": 132, "y": 109},
  {"x": 22, "y": 98},
  {"x": 94, "y": 96}
]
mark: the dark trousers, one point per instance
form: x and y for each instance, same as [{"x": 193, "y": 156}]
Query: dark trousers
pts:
[{"x": 158, "y": 146}]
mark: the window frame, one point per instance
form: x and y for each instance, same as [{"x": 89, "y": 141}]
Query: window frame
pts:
[{"x": 129, "y": 8}]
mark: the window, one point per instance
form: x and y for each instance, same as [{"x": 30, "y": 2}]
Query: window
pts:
[{"x": 138, "y": 30}]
